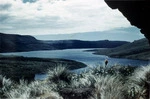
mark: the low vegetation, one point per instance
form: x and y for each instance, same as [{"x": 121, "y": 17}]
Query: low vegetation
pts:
[
  {"x": 18, "y": 67},
  {"x": 115, "y": 82}
]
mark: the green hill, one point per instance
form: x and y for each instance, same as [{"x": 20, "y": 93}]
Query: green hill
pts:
[{"x": 139, "y": 49}]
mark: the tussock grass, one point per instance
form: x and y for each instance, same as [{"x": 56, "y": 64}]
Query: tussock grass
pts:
[
  {"x": 5, "y": 85},
  {"x": 59, "y": 76},
  {"x": 32, "y": 90},
  {"x": 109, "y": 87},
  {"x": 116, "y": 82},
  {"x": 59, "y": 73},
  {"x": 139, "y": 83}
]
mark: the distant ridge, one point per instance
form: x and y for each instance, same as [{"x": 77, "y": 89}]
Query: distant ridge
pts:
[
  {"x": 18, "y": 43},
  {"x": 73, "y": 44}
]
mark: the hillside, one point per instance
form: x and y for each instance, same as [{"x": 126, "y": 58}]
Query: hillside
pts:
[
  {"x": 139, "y": 49},
  {"x": 18, "y": 43},
  {"x": 72, "y": 44}
]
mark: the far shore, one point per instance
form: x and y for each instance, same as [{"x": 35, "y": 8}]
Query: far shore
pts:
[{"x": 145, "y": 56}]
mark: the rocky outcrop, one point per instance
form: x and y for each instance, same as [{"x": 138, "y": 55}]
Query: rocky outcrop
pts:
[{"x": 136, "y": 11}]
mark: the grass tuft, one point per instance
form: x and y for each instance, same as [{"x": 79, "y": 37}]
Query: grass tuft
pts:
[
  {"x": 58, "y": 74},
  {"x": 139, "y": 82},
  {"x": 5, "y": 85},
  {"x": 116, "y": 82}
]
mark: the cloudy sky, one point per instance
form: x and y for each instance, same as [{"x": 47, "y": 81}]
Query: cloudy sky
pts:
[{"x": 42, "y": 17}]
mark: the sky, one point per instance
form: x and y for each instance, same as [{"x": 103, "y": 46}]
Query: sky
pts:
[{"x": 62, "y": 17}]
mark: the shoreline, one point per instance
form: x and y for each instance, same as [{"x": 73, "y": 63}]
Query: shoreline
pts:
[
  {"x": 137, "y": 50},
  {"x": 107, "y": 52},
  {"x": 19, "y": 67}
]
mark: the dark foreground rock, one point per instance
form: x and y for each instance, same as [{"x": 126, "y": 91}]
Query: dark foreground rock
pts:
[{"x": 18, "y": 68}]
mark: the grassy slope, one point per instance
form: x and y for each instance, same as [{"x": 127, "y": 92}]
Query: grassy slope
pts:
[
  {"x": 116, "y": 82},
  {"x": 23, "y": 67},
  {"x": 139, "y": 49}
]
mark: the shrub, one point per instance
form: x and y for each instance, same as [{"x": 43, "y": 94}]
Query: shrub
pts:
[
  {"x": 58, "y": 74},
  {"x": 109, "y": 87},
  {"x": 21, "y": 90},
  {"x": 139, "y": 83},
  {"x": 31, "y": 91},
  {"x": 116, "y": 82},
  {"x": 5, "y": 85}
]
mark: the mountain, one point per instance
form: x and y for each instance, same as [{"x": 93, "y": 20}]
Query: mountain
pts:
[
  {"x": 72, "y": 44},
  {"x": 138, "y": 49},
  {"x": 13, "y": 43},
  {"x": 121, "y": 34},
  {"x": 17, "y": 43}
]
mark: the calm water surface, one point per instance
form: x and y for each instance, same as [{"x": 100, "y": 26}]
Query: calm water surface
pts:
[{"x": 79, "y": 55}]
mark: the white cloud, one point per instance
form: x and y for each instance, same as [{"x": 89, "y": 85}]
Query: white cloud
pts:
[{"x": 59, "y": 16}]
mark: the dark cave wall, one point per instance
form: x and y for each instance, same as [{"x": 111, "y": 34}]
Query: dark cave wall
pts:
[{"x": 136, "y": 11}]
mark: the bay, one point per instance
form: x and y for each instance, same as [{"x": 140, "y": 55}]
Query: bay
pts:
[{"x": 81, "y": 55}]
